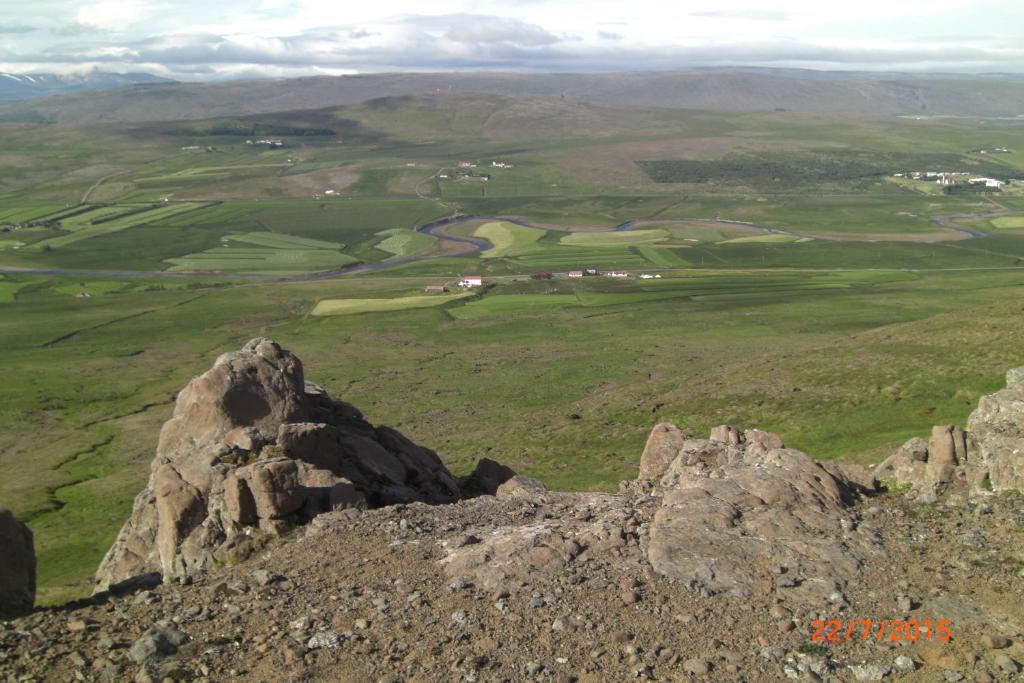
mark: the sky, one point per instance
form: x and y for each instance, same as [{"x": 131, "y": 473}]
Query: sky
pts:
[{"x": 219, "y": 39}]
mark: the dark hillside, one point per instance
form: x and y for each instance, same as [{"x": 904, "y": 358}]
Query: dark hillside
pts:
[{"x": 725, "y": 90}]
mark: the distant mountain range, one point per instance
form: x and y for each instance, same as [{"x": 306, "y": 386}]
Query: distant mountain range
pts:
[
  {"x": 148, "y": 98},
  {"x": 20, "y": 87}
]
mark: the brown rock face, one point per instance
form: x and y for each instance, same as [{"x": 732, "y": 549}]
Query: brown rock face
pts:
[
  {"x": 662, "y": 447},
  {"x": 17, "y": 567},
  {"x": 996, "y": 430},
  {"x": 734, "y": 511},
  {"x": 251, "y": 450},
  {"x": 943, "y": 448},
  {"x": 726, "y": 434}
]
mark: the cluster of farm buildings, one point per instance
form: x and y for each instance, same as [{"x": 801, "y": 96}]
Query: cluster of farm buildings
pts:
[
  {"x": 465, "y": 171},
  {"x": 949, "y": 178},
  {"x": 471, "y": 281},
  {"x": 272, "y": 143}
]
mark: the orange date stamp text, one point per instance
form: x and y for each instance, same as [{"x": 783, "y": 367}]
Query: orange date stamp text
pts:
[{"x": 893, "y": 630}]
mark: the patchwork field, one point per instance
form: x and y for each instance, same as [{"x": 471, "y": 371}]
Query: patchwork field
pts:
[
  {"x": 208, "y": 173},
  {"x": 265, "y": 252},
  {"x": 19, "y": 213},
  {"x": 109, "y": 220}
]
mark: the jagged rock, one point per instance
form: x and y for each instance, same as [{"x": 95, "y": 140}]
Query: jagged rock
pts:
[
  {"x": 857, "y": 477},
  {"x": 520, "y": 487},
  {"x": 662, "y": 447},
  {"x": 947, "y": 448},
  {"x": 17, "y": 568},
  {"x": 906, "y": 465},
  {"x": 726, "y": 434},
  {"x": 996, "y": 431},
  {"x": 511, "y": 553},
  {"x": 507, "y": 555},
  {"x": 251, "y": 449},
  {"x": 870, "y": 672},
  {"x": 486, "y": 477},
  {"x": 759, "y": 441},
  {"x": 730, "y": 510},
  {"x": 156, "y": 643}
]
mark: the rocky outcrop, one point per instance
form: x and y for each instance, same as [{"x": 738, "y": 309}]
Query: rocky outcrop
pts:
[
  {"x": 251, "y": 450},
  {"x": 928, "y": 467},
  {"x": 996, "y": 431},
  {"x": 737, "y": 513},
  {"x": 738, "y": 510},
  {"x": 17, "y": 568},
  {"x": 988, "y": 457}
]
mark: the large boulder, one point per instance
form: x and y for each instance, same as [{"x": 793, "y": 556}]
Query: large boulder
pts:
[
  {"x": 996, "y": 431},
  {"x": 486, "y": 477},
  {"x": 17, "y": 569},
  {"x": 662, "y": 447},
  {"x": 738, "y": 510},
  {"x": 930, "y": 467},
  {"x": 907, "y": 465},
  {"x": 251, "y": 450}
]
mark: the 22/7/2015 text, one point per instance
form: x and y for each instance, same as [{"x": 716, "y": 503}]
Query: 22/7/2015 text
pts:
[{"x": 894, "y": 630}]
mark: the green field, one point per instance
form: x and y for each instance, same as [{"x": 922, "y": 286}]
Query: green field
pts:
[
  {"x": 513, "y": 304},
  {"x": 266, "y": 252},
  {"x": 1012, "y": 222},
  {"x": 259, "y": 261},
  {"x": 768, "y": 239},
  {"x": 274, "y": 240},
  {"x": 208, "y": 173},
  {"x": 401, "y": 242},
  {"x": 8, "y": 290},
  {"x": 508, "y": 239},
  {"x": 80, "y": 232},
  {"x": 612, "y": 239},
  {"x": 19, "y": 212},
  {"x": 331, "y": 307}
]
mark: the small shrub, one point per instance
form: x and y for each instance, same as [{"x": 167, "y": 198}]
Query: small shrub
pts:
[{"x": 895, "y": 488}]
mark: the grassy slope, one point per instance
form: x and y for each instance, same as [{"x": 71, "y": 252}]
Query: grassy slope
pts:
[{"x": 841, "y": 364}]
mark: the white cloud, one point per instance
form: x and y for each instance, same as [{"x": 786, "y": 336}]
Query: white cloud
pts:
[
  {"x": 112, "y": 14},
  {"x": 199, "y": 38}
]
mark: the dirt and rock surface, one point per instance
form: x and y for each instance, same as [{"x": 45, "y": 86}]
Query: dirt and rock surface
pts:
[{"x": 712, "y": 565}]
